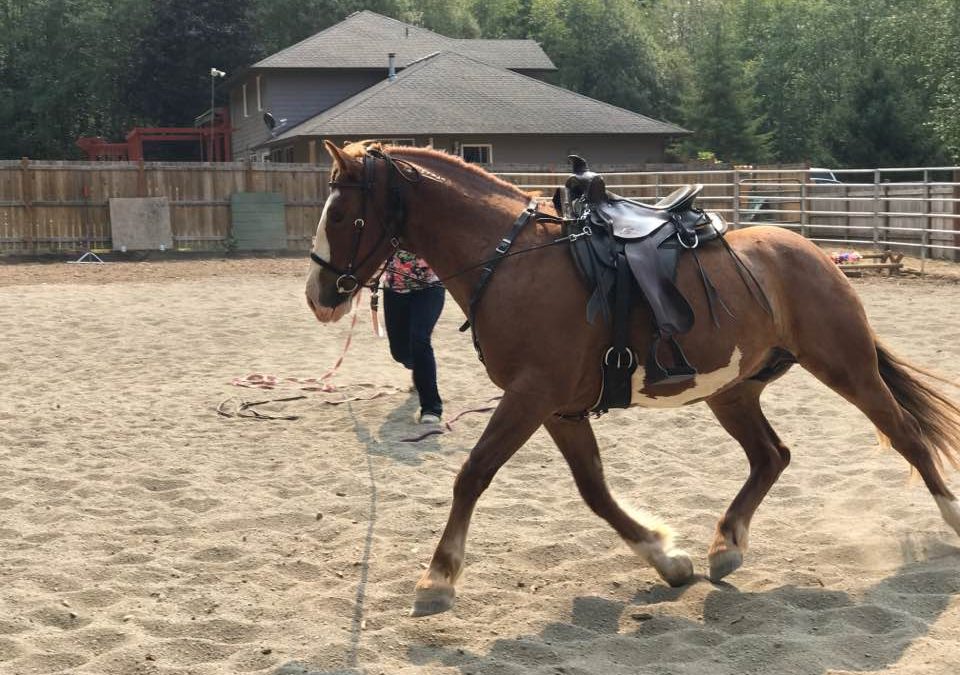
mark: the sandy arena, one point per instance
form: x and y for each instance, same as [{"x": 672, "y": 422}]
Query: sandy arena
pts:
[{"x": 141, "y": 532}]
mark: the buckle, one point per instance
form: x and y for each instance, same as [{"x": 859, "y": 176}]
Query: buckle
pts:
[
  {"x": 504, "y": 246},
  {"x": 342, "y": 289},
  {"x": 620, "y": 354},
  {"x": 696, "y": 240}
]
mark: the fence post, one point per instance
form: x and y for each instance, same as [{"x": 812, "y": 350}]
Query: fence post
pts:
[
  {"x": 141, "y": 179},
  {"x": 925, "y": 235},
  {"x": 803, "y": 206},
  {"x": 27, "y": 186},
  {"x": 876, "y": 210},
  {"x": 736, "y": 198},
  {"x": 955, "y": 193}
]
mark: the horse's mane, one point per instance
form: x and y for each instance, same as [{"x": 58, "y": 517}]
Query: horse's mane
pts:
[{"x": 415, "y": 154}]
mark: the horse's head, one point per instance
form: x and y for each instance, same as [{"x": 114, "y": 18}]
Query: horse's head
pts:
[{"x": 358, "y": 228}]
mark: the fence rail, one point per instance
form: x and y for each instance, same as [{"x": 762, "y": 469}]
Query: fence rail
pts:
[{"x": 51, "y": 207}]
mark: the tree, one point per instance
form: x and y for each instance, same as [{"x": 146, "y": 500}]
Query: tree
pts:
[
  {"x": 875, "y": 126},
  {"x": 720, "y": 106},
  {"x": 601, "y": 49},
  {"x": 61, "y": 62},
  {"x": 169, "y": 82}
]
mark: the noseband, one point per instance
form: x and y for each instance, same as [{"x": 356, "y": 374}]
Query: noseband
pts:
[{"x": 347, "y": 281}]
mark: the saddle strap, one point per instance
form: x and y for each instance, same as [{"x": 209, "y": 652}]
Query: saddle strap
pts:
[
  {"x": 500, "y": 252},
  {"x": 710, "y": 291},
  {"x": 620, "y": 361}
]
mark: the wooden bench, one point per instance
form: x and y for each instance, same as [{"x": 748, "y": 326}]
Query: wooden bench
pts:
[{"x": 887, "y": 260}]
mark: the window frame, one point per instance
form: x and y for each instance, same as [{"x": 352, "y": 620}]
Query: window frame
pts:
[
  {"x": 489, "y": 149},
  {"x": 246, "y": 111}
]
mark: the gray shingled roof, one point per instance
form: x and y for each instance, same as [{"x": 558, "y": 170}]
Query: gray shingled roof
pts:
[
  {"x": 449, "y": 93},
  {"x": 364, "y": 39}
]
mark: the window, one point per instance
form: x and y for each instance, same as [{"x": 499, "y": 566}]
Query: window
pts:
[
  {"x": 397, "y": 141},
  {"x": 282, "y": 155},
  {"x": 477, "y": 154},
  {"x": 259, "y": 98},
  {"x": 246, "y": 113}
]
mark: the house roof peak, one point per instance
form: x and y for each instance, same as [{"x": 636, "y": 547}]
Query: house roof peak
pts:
[
  {"x": 450, "y": 93},
  {"x": 363, "y": 40}
]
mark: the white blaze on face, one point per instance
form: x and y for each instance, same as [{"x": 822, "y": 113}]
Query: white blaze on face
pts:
[
  {"x": 704, "y": 385},
  {"x": 321, "y": 247}
]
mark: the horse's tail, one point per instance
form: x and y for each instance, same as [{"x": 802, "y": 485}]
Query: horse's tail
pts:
[{"x": 937, "y": 415}]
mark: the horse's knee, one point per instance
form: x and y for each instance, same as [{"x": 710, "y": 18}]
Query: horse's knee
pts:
[
  {"x": 771, "y": 464},
  {"x": 784, "y": 453},
  {"x": 472, "y": 480}
]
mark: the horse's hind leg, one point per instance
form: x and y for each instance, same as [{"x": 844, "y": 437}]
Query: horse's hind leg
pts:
[
  {"x": 738, "y": 410},
  {"x": 513, "y": 422},
  {"x": 921, "y": 424},
  {"x": 579, "y": 447}
]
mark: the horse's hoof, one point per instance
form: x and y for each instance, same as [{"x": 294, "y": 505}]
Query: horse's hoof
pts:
[
  {"x": 723, "y": 563},
  {"x": 432, "y": 600},
  {"x": 676, "y": 568}
]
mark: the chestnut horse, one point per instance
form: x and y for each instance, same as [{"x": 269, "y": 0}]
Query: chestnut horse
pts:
[{"x": 539, "y": 348}]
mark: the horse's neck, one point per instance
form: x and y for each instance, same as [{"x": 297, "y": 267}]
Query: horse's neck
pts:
[{"x": 454, "y": 231}]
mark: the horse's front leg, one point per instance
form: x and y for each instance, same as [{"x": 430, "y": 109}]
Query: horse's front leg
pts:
[
  {"x": 513, "y": 422},
  {"x": 651, "y": 541},
  {"x": 738, "y": 410}
]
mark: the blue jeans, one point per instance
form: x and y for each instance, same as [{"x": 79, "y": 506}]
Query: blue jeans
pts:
[{"x": 410, "y": 318}]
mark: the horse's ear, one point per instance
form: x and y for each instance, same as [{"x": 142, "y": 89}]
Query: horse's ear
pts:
[{"x": 341, "y": 160}]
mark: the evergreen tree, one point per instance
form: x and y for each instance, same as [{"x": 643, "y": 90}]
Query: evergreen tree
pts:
[
  {"x": 169, "y": 83},
  {"x": 720, "y": 107}
]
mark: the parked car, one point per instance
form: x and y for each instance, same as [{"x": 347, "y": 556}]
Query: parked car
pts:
[{"x": 822, "y": 176}]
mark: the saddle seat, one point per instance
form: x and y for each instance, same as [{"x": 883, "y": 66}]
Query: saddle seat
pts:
[{"x": 630, "y": 219}]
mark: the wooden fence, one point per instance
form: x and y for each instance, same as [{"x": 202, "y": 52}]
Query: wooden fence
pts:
[
  {"x": 50, "y": 207},
  {"x": 64, "y": 207}
]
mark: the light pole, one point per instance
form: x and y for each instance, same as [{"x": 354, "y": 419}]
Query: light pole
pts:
[{"x": 214, "y": 74}]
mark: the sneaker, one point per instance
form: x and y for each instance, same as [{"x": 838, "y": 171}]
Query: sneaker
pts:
[{"x": 429, "y": 418}]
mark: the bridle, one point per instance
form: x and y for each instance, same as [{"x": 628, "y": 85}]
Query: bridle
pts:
[{"x": 347, "y": 281}]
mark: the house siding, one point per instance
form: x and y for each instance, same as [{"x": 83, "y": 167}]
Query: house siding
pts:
[
  {"x": 536, "y": 152},
  {"x": 291, "y": 95}
]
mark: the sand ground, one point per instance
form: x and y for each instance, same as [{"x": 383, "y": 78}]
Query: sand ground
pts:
[{"x": 141, "y": 532}]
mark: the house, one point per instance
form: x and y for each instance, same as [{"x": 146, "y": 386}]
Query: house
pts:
[{"x": 372, "y": 77}]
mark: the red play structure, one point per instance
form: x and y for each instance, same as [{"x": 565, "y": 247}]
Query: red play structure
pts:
[{"x": 214, "y": 140}]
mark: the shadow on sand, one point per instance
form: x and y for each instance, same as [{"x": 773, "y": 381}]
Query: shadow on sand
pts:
[{"x": 792, "y": 630}]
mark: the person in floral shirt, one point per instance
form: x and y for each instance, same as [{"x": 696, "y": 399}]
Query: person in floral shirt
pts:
[{"x": 412, "y": 307}]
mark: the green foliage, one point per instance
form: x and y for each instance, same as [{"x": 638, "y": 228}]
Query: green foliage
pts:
[
  {"x": 863, "y": 83},
  {"x": 601, "y": 49},
  {"x": 60, "y": 73},
  {"x": 720, "y": 105},
  {"x": 168, "y": 82}
]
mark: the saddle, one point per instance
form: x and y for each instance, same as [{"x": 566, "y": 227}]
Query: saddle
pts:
[{"x": 621, "y": 244}]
